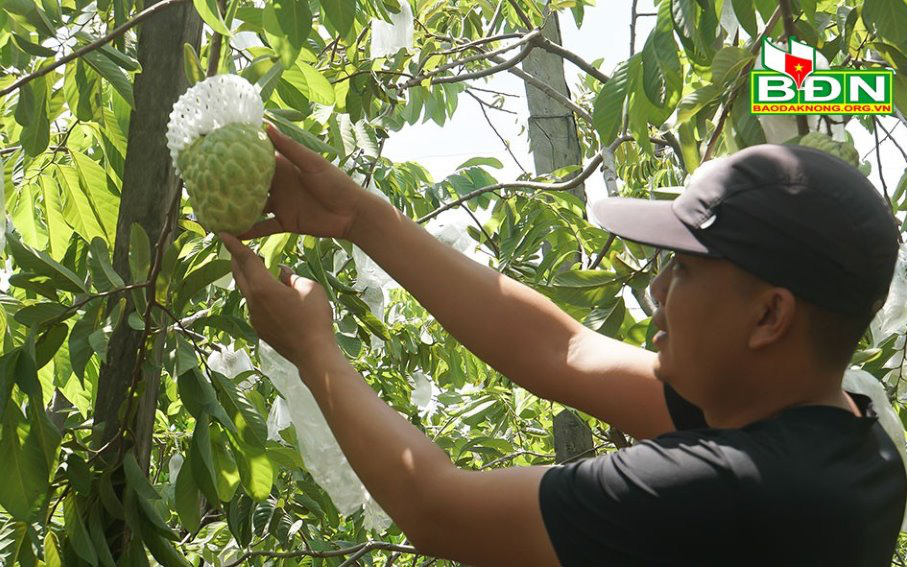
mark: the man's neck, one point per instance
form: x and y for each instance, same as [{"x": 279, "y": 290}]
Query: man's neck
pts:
[{"x": 739, "y": 417}]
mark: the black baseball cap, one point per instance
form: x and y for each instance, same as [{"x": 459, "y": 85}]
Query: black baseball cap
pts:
[{"x": 793, "y": 216}]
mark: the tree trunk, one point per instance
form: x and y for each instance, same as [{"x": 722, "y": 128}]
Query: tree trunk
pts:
[
  {"x": 554, "y": 143},
  {"x": 149, "y": 186}
]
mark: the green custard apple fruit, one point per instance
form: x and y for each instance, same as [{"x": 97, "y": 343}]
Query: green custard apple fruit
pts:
[
  {"x": 841, "y": 150},
  {"x": 222, "y": 153},
  {"x": 228, "y": 174}
]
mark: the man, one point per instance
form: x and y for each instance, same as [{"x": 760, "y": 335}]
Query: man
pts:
[{"x": 749, "y": 454}]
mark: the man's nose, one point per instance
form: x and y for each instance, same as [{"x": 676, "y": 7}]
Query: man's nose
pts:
[{"x": 658, "y": 287}]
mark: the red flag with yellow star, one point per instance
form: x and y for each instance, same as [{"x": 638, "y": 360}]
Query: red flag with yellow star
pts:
[{"x": 797, "y": 67}]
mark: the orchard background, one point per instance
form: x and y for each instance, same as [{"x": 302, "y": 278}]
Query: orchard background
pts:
[{"x": 137, "y": 420}]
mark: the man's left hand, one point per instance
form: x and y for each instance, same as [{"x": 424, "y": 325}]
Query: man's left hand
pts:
[{"x": 291, "y": 314}]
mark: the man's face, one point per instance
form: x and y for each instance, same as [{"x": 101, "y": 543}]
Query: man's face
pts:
[{"x": 704, "y": 311}]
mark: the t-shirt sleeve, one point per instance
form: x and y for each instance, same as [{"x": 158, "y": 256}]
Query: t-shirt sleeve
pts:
[
  {"x": 684, "y": 414},
  {"x": 654, "y": 503}
]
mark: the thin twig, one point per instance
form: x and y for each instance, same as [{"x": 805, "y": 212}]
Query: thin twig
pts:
[
  {"x": 126, "y": 26},
  {"x": 214, "y": 48},
  {"x": 604, "y": 251},
  {"x": 572, "y": 57},
  {"x": 875, "y": 133},
  {"x": 497, "y": 253},
  {"x": 633, "y": 17},
  {"x": 528, "y": 38},
  {"x": 563, "y": 185},
  {"x": 888, "y": 136},
  {"x": 521, "y": 14},
  {"x": 369, "y": 546},
  {"x": 498, "y": 134},
  {"x": 713, "y": 141},
  {"x": 487, "y": 104}
]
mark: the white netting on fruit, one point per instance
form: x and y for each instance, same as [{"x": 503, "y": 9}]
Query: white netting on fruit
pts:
[
  {"x": 231, "y": 363},
  {"x": 321, "y": 453},
  {"x": 389, "y": 37},
  {"x": 862, "y": 382},
  {"x": 892, "y": 317},
  {"x": 210, "y": 104}
]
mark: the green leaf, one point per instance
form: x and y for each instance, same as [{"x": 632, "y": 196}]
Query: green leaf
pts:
[
  {"x": 137, "y": 479},
  {"x": 58, "y": 232},
  {"x": 104, "y": 203},
  {"x": 52, "y": 555},
  {"x": 255, "y": 469},
  {"x": 80, "y": 350},
  {"x": 608, "y": 109},
  {"x": 250, "y": 426},
  {"x": 78, "y": 210},
  {"x": 287, "y": 24},
  {"x": 191, "y": 65},
  {"x": 39, "y": 313},
  {"x": 187, "y": 497},
  {"x": 198, "y": 280},
  {"x": 36, "y": 133},
  {"x": 727, "y": 64},
  {"x": 162, "y": 550},
  {"x": 104, "y": 277},
  {"x": 200, "y": 399},
  {"x": 239, "y": 518},
  {"x": 25, "y": 472},
  {"x": 310, "y": 82},
  {"x": 888, "y": 18},
  {"x": 210, "y": 13},
  {"x": 489, "y": 161},
  {"x": 53, "y": 11},
  {"x": 340, "y": 14},
  {"x": 304, "y": 137},
  {"x": 99, "y": 538},
  {"x": 78, "y": 473},
  {"x": 81, "y": 91},
  {"x": 76, "y": 532},
  {"x": 112, "y": 73},
  {"x": 746, "y": 15},
  {"x": 695, "y": 101},
  {"x": 225, "y": 468},
  {"x": 49, "y": 343},
  {"x": 202, "y": 461}
]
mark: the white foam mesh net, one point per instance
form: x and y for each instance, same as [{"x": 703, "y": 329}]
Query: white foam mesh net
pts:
[
  {"x": 319, "y": 448},
  {"x": 210, "y": 104}
]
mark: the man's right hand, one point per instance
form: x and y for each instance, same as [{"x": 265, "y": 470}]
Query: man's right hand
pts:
[{"x": 309, "y": 195}]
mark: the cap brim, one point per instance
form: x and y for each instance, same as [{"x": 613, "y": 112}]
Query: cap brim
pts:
[{"x": 652, "y": 223}]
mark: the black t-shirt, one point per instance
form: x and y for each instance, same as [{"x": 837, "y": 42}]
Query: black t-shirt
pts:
[{"x": 813, "y": 485}]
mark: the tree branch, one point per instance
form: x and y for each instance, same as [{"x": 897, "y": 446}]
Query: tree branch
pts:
[
  {"x": 572, "y": 57},
  {"x": 502, "y": 65},
  {"x": 215, "y": 47},
  {"x": 362, "y": 547},
  {"x": 548, "y": 90},
  {"x": 713, "y": 141},
  {"x": 563, "y": 185},
  {"x": 528, "y": 38},
  {"x": 126, "y": 26},
  {"x": 521, "y": 14},
  {"x": 498, "y": 134}
]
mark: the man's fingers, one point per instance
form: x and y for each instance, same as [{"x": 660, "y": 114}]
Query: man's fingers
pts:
[
  {"x": 266, "y": 227},
  {"x": 248, "y": 263},
  {"x": 305, "y": 159},
  {"x": 239, "y": 277}
]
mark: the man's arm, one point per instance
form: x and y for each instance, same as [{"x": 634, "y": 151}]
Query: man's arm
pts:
[
  {"x": 519, "y": 332},
  {"x": 481, "y": 518}
]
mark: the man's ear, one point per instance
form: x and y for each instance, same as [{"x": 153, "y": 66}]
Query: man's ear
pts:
[{"x": 776, "y": 310}]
